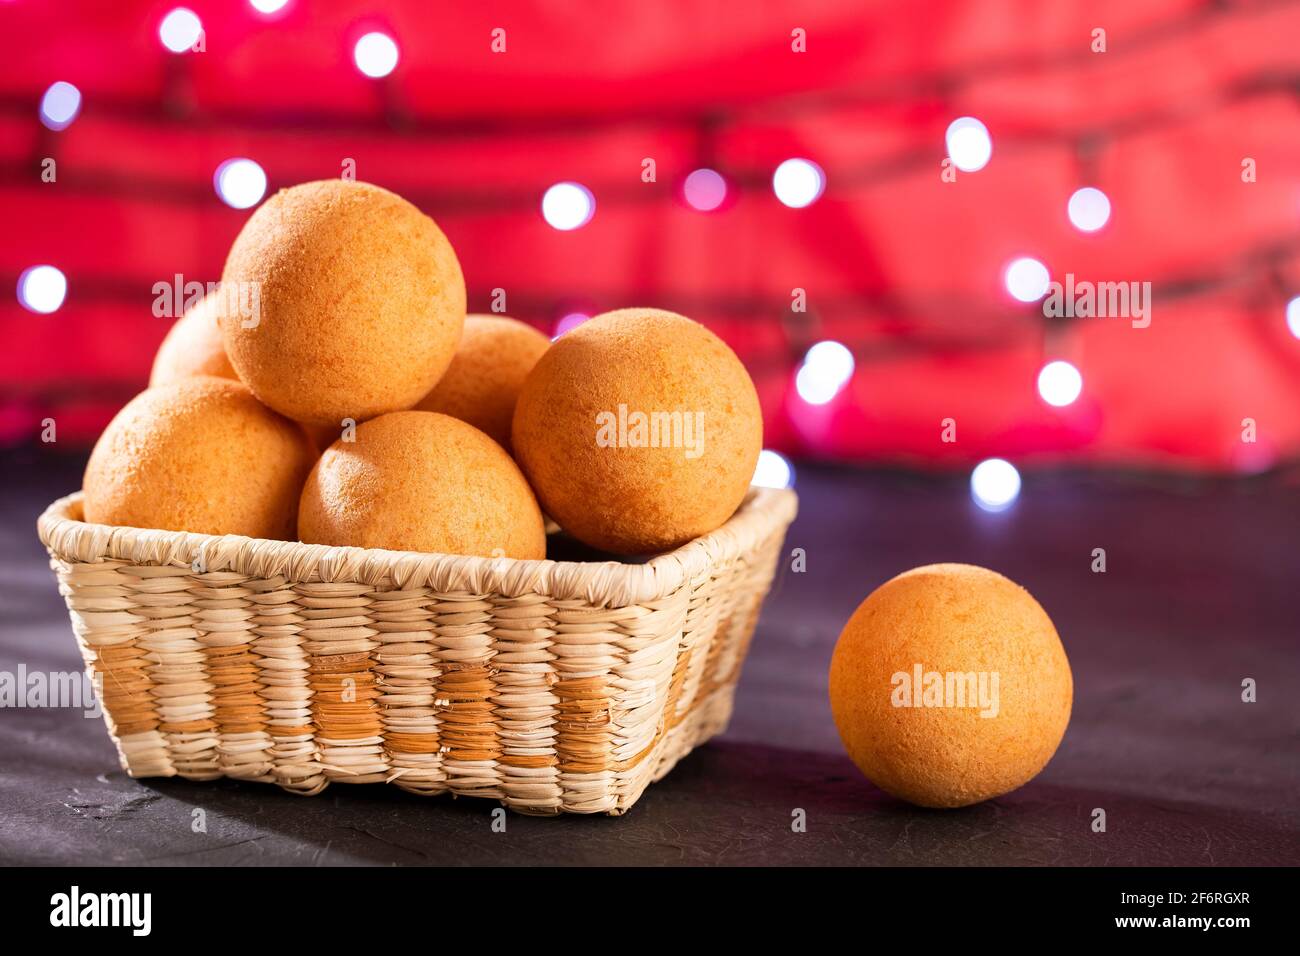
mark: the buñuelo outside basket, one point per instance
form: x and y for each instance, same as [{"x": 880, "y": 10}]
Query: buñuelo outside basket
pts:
[{"x": 551, "y": 686}]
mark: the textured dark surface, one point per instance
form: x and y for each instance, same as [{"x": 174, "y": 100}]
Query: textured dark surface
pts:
[{"x": 1200, "y": 592}]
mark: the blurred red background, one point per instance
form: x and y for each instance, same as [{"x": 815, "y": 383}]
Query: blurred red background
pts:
[{"x": 899, "y": 262}]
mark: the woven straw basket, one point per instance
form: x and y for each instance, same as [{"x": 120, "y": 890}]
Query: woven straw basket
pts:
[{"x": 551, "y": 686}]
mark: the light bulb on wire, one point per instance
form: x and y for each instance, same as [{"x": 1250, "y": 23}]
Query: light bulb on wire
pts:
[
  {"x": 240, "y": 183},
  {"x": 968, "y": 143},
  {"x": 704, "y": 189},
  {"x": 60, "y": 105},
  {"x": 42, "y": 289},
  {"x": 569, "y": 321},
  {"x": 1293, "y": 316},
  {"x": 773, "y": 470},
  {"x": 376, "y": 55},
  {"x": 826, "y": 369},
  {"x": 798, "y": 183},
  {"x": 1026, "y": 279},
  {"x": 995, "y": 484},
  {"x": 1059, "y": 383},
  {"x": 1089, "y": 209},
  {"x": 180, "y": 30},
  {"x": 567, "y": 206}
]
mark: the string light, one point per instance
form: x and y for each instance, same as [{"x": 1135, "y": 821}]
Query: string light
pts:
[
  {"x": 376, "y": 55},
  {"x": 826, "y": 369},
  {"x": 240, "y": 183},
  {"x": 42, "y": 289},
  {"x": 798, "y": 183},
  {"x": 969, "y": 145},
  {"x": 995, "y": 484},
  {"x": 60, "y": 105},
  {"x": 1089, "y": 209},
  {"x": 1027, "y": 279},
  {"x": 831, "y": 359},
  {"x": 567, "y": 206},
  {"x": 568, "y": 322},
  {"x": 704, "y": 189},
  {"x": 180, "y": 30},
  {"x": 773, "y": 470},
  {"x": 1059, "y": 383},
  {"x": 1293, "y": 316}
]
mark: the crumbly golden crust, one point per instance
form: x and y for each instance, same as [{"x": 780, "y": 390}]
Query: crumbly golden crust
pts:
[
  {"x": 192, "y": 346},
  {"x": 361, "y": 297},
  {"x": 950, "y": 619},
  {"x": 421, "y": 481},
  {"x": 201, "y": 454},
  {"x": 624, "y": 497},
  {"x": 486, "y": 374}
]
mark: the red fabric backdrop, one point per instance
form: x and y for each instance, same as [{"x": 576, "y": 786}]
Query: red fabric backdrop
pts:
[{"x": 898, "y": 264}]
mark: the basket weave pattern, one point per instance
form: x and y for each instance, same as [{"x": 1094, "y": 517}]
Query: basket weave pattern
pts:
[{"x": 550, "y": 686}]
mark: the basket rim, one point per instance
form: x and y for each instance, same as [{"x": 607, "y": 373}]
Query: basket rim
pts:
[{"x": 607, "y": 583}]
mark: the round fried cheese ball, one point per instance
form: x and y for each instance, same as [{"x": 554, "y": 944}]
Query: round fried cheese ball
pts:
[
  {"x": 420, "y": 481},
  {"x": 359, "y": 302},
  {"x": 639, "y": 431},
  {"x": 482, "y": 383},
  {"x": 201, "y": 454},
  {"x": 949, "y": 685},
  {"x": 193, "y": 346}
]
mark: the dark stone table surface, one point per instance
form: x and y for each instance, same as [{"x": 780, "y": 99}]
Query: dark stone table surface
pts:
[{"x": 1201, "y": 591}]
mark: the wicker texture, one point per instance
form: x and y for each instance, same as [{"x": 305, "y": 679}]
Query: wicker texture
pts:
[{"x": 550, "y": 686}]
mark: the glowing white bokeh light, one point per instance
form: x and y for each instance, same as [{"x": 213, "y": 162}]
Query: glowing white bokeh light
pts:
[
  {"x": 831, "y": 359},
  {"x": 60, "y": 105},
  {"x": 772, "y": 471},
  {"x": 240, "y": 183},
  {"x": 568, "y": 322},
  {"x": 704, "y": 189},
  {"x": 815, "y": 388},
  {"x": 568, "y": 206},
  {"x": 995, "y": 484},
  {"x": 376, "y": 55},
  {"x": 1089, "y": 209},
  {"x": 827, "y": 368},
  {"x": 180, "y": 29},
  {"x": 267, "y": 6},
  {"x": 1059, "y": 383},
  {"x": 42, "y": 289},
  {"x": 798, "y": 183},
  {"x": 1293, "y": 316},
  {"x": 969, "y": 145},
  {"x": 1027, "y": 279}
]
